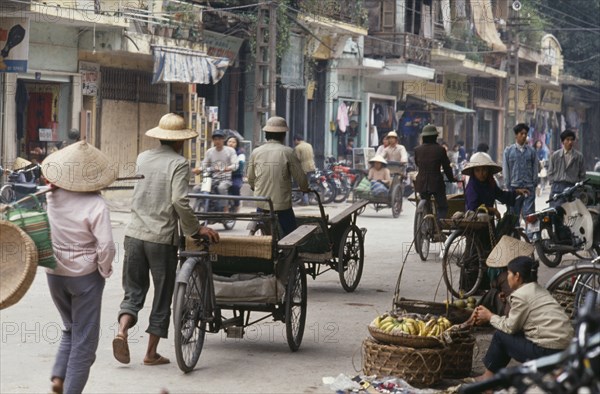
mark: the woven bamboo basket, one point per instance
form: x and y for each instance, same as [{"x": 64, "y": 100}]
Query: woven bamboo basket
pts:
[
  {"x": 18, "y": 263},
  {"x": 566, "y": 299},
  {"x": 402, "y": 339},
  {"x": 458, "y": 358},
  {"x": 419, "y": 367}
]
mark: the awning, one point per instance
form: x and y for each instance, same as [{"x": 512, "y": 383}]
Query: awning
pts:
[
  {"x": 443, "y": 104},
  {"x": 186, "y": 66}
]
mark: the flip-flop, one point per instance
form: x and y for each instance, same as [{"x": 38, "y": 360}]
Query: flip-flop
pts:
[
  {"x": 160, "y": 360},
  {"x": 121, "y": 349}
]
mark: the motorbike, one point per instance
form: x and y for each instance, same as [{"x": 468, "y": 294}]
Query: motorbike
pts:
[
  {"x": 210, "y": 186},
  {"x": 319, "y": 182},
  {"x": 571, "y": 227},
  {"x": 20, "y": 184}
]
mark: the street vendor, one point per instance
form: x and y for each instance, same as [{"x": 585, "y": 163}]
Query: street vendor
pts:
[
  {"x": 535, "y": 326},
  {"x": 379, "y": 176},
  {"x": 482, "y": 188}
]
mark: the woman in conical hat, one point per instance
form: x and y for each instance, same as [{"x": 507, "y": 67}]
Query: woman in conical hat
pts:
[
  {"x": 482, "y": 188},
  {"x": 84, "y": 250}
]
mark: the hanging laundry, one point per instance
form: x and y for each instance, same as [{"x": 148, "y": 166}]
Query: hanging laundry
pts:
[
  {"x": 374, "y": 136},
  {"x": 342, "y": 117}
]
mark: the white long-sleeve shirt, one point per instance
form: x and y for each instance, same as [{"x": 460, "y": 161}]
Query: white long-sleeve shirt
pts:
[{"x": 81, "y": 233}]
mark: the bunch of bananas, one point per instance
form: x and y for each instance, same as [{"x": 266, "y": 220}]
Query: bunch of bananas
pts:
[{"x": 407, "y": 325}]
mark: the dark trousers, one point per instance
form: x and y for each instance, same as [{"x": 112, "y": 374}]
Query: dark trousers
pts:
[
  {"x": 143, "y": 258},
  {"x": 526, "y": 205},
  {"x": 286, "y": 218},
  {"x": 506, "y": 346},
  {"x": 78, "y": 300},
  {"x": 236, "y": 187},
  {"x": 440, "y": 200}
]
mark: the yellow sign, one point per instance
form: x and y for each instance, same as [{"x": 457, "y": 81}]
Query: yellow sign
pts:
[
  {"x": 456, "y": 88},
  {"x": 551, "y": 100}
]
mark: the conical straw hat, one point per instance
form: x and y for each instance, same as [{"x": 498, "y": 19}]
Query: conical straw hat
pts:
[
  {"x": 171, "y": 127},
  {"x": 18, "y": 263},
  {"x": 79, "y": 167},
  {"x": 507, "y": 250},
  {"x": 20, "y": 163},
  {"x": 481, "y": 159},
  {"x": 379, "y": 159}
]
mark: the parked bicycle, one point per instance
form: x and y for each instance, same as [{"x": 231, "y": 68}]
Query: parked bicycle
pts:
[{"x": 573, "y": 285}]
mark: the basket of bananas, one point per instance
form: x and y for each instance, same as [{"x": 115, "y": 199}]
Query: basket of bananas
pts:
[{"x": 411, "y": 330}]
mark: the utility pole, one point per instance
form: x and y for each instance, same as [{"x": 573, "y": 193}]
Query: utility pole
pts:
[{"x": 265, "y": 76}]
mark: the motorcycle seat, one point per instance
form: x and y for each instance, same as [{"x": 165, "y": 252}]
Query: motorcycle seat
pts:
[{"x": 25, "y": 188}]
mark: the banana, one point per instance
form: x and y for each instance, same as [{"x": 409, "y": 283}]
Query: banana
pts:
[{"x": 376, "y": 322}]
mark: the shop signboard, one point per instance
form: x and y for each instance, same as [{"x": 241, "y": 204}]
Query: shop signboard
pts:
[
  {"x": 90, "y": 74},
  {"x": 292, "y": 64},
  {"x": 14, "y": 44},
  {"x": 220, "y": 45},
  {"x": 551, "y": 101}
]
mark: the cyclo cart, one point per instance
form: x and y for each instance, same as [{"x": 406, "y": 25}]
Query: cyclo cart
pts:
[
  {"x": 337, "y": 243},
  {"x": 237, "y": 276},
  {"x": 394, "y": 197}
]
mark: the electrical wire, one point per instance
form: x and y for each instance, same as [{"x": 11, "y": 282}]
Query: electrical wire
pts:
[{"x": 567, "y": 15}]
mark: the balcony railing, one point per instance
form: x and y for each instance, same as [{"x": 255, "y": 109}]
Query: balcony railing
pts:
[
  {"x": 348, "y": 11},
  {"x": 406, "y": 46}
]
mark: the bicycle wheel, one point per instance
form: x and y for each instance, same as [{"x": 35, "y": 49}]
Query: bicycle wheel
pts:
[
  {"x": 571, "y": 286},
  {"x": 424, "y": 229},
  {"x": 295, "y": 306},
  {"x": 7, "y": 194},
  {"x": 463, "y": 264},
  {"x": 351, "y": 258},
  {"x": 188, "y": 315},
  {"x": 396, "y": 199}
]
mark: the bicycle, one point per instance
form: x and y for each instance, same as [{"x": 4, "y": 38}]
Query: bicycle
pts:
[
  {"x": 572, "y": 285},
  {"x": 565, "y": 372},
  {"x": 426, "y": 227},
  {"x": 465, "y": 252}
]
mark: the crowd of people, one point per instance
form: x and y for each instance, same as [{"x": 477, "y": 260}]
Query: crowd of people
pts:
[{"x": 80, "y": 223}]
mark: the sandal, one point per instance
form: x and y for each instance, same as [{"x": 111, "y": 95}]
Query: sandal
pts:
[{"x": 121, "y": 349}]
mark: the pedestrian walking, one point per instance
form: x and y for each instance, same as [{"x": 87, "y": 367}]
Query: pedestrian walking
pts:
[
  {"x": 304, "y": 152},
  {"x": 159, "y": 203},
  {"x": 520, "y": 170},
  {"x": 566, "y": 166},
  {"x": 271, "y": 168},
  {"x": 84, "y": 250}
]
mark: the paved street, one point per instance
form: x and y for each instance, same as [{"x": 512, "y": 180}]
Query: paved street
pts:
[{"x": 261, "y": 362}]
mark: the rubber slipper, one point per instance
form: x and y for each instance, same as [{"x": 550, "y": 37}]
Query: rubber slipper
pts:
[
  {"x": 160, "y": 360},
  {"x": 121, "y": 349}
]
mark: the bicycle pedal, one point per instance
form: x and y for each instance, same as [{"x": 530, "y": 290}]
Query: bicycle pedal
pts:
[{"x": 235, "y": 332}]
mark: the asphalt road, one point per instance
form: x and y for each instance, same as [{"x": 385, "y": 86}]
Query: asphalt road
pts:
[{"x": 259, "y": 363}]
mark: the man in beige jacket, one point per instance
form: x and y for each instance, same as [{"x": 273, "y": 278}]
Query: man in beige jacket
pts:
[{"x": 270, "y": 171}]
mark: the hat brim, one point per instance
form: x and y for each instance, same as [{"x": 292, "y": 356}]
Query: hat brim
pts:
[
  {"x": 171, "y": 135},
  {"x": 429, "y": 134},
  {"x": 275, "y": 129},
  {"x": 506, "y": 250},
  {"x": 493, "y": 168}
]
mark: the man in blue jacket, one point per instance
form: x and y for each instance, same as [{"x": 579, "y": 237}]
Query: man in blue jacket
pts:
[{"x": 520, "y": 170}]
